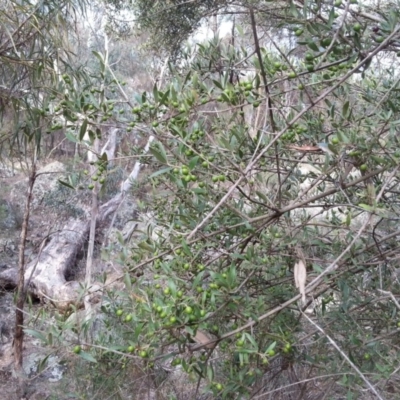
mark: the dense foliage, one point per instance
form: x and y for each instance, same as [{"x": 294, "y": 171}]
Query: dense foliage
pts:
[
  {"x": 267, "y": 158},
  {"x": 275, "y": 159}
]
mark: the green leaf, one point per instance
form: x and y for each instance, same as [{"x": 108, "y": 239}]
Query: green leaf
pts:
[
  {"x": 190, "y": 330},
  {"x": 250, "y": 338},
  {"x": 193, "y": 162},
  {"x": 333, "y": 149},
  {"x": 160, "y": 172},
  {"x": 367, "y": 207},
  {"x": 145, "y": 246},
  {"x": 218, "y": 84},
  {"x": 82, "y": 130},
  {"x": 342, "y": 137},
  {"x": 293, "y": 10},
  {"x": 87, "y": 357},
  {"x": 71, "y": 137},
  {"x": 92, "y": 136},
  {"x": 43, "y": 363},
  {"x": 36, "y": 334},
  {"x": 155, "y": 92},
  {"x": 210, "y": 373},
  {"x": 345, "y": 109},
  {"x": 331, "y": 18},
  {"x": 262, "y": 196},
  {"x": 66, "y": 184},
  {"x": 271, "y": 346},
  {"x": 101, "y": 59},
  {"x": 312, "y": 45},
  {"x": 317, "y": 268},
  {"x": 127, "y": 281},
  {"x": 159, "y": 153}
]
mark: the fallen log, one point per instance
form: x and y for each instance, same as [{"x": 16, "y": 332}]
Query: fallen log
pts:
[{"x": 45, "y": 276}]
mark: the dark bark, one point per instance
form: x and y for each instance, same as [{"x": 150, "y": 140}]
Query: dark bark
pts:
[{"x": 21, "y": 292}]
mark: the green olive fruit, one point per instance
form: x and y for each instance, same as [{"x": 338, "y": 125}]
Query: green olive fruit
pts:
[
  {"x": 357, "y": 27},
  {"x": 334, "y": 140},
  {"x": 299, "y": 32},
  {"x": 363, "y": 167},
  {"x": 131, "y": 349},
  {"x": 287, "y": 348},
  {"x": 188, "y": 310},
  {"x": 119, "y": 312},
  {"x": 240, "y": 343},
  {"x": 337, "y": 3},
  {"x": 128, "y": 318},
  {"x": 309, "y": 57},
  {"x": 326, "y": 41},
  {"x": 77, "y": 349},
  {"x": 310, "y": 67},
  {"x": 143, "y": 354},
  {"x": 300, "y": 86},
  {"x": 213, "y": 286}
]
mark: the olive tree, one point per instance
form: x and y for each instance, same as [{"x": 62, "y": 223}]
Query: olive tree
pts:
[{"x": 269, "y": 268}]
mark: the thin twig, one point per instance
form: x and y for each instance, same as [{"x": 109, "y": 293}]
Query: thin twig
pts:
[{"x": 344, "y": 355}]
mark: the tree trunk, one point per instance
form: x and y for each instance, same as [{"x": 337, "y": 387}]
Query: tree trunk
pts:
[{"x": 21, "y": 292}]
